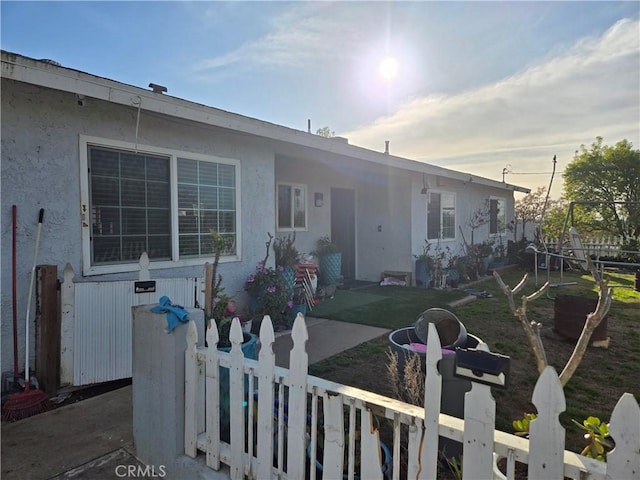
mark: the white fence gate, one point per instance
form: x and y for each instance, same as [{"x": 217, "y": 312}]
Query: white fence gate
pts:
[
  {"x": 279, "y": 434},
  {"x": 96, "y": 322}
]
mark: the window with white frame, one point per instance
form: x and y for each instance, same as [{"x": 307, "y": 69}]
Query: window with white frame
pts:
[
  {"x": 497, "y": 215},
  {"x": 161, "y": 202},
  {"x": 292, "y": 206},
  {"x": 441, "y": 216}
]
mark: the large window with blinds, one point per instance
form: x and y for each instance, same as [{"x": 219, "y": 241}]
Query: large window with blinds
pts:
[
  {"x": 130, "y": 206},
  {"x": 441, "y": 216},
  {"x": 156, "y": 201},
  {"x": 206, "y": 201}
]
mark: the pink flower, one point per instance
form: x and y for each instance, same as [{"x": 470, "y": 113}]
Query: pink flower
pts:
[{"x": 271, "y": 289}]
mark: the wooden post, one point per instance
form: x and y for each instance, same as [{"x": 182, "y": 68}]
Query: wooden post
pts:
[{"x": 48, "y": 320}]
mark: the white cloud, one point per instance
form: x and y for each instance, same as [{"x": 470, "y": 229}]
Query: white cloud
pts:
[
  {"x": 593, "y": 89},
  {"x": 299, "y": 36}
]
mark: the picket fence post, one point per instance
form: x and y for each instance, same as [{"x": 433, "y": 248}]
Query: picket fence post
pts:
[
  {"x": 236, "y": 399},
  {"x": 297, "y": 419},
  {"x": 212, "y": 375},
  {"x": 266, "y": 369},
  {"x": 432, "y": 403},
  {"x": 333, "y": 448},
  {"x": 370, "y": 445},
  {"x": 624, "y": 460},
  {"x": 547, "y": 435},
  {"x": 479, "y": 425}
]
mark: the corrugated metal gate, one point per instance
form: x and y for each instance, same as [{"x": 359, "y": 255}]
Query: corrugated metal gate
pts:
[{"x": 96, "y": 324}]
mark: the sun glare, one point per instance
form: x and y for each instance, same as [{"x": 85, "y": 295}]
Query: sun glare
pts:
[{"x": 388, "y": 68}]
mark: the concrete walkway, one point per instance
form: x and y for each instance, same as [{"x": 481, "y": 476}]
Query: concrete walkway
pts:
[{"x": 93, "y": 439}]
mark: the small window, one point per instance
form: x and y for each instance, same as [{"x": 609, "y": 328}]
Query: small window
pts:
[
  {"x": 441, "y": 216},
  {"x": 497, "y": 215},
  {"x": 292, "y": 207}
]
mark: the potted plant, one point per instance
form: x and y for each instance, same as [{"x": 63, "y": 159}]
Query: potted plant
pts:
[
  {"x": 329, "y": 261},
  {"x": 453, "y": 274},
  {"x": 424, "y": 266},
  {"x": 287, "y": 257},
  {"x": 268, "y": 292},
  {"x": 482, "y": 253},
  {"x": 286, "y": 254}
]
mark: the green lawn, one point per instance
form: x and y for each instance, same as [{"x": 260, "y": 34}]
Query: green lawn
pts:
[{"x": 387, "y": 307}]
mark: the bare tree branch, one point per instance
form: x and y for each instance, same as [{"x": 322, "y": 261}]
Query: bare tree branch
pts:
[{"x": 531, "y": 329}]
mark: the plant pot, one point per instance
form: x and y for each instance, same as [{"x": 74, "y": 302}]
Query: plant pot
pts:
[
  {"x": 570, "y": 315},
  {"x": 423, "y": 274},
  {"x": 330, "y": 265},
  {"x": 453, "y": 388},
  {"x": 302, "y": 308}
]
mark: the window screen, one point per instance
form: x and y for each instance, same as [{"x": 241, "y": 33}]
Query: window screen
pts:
[{"x": 130, "y": 206}]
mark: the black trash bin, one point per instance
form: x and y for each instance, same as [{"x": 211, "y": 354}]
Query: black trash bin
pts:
[{"x": 453, "y": 388}]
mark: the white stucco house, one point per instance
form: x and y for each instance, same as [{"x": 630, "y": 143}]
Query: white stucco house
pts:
[{"x": 121, "y": 169}]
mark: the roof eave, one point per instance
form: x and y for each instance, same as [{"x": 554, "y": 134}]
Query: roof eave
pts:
[{"x": 45, "y": 74}]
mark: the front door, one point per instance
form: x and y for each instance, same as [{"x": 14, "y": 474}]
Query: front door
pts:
[{"x": 343, "y": 228}]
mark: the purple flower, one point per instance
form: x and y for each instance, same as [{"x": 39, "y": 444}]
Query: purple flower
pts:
[
  {"x": 251, "y": 279},
  {"x": 271, "y": 289},
  {"x": 290, "y": 304}
]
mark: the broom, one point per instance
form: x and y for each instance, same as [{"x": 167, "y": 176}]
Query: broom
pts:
[{"x": 30, "y": 402}]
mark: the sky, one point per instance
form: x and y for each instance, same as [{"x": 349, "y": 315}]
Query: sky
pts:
[{"x": 490, "y": 88}]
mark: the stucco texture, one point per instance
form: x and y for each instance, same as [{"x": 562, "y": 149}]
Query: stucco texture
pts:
[{"x": 41, "y": 169}]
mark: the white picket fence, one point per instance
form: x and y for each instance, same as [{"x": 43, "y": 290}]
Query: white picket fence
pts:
[
  {"x": 281, "y": 444},
  {"x": 601, "y": 246}
]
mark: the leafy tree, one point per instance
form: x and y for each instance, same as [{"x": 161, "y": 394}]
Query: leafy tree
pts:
[
  {"x": 604, "y": 175},
  {"x": 586, "y": 222},
  {"x": 529, "y": 208},
  {"x": 325, "y": 132}
]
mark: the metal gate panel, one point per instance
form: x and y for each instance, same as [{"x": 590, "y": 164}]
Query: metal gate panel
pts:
[{"x": 102, "y": 337}]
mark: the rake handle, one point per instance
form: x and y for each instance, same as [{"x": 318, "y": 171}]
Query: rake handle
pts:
[{"x": 27, "y": 376}]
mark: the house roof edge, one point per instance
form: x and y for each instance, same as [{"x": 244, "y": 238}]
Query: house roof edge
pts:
[{"x": 46, "y": 73}]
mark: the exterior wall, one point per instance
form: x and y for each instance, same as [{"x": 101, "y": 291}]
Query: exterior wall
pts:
[
  {"x": 381, "y": 200},
  {"x": 469, "y": 198},
  {"x": 391, "y": 221},
  {"x": 40, "y": 169}
]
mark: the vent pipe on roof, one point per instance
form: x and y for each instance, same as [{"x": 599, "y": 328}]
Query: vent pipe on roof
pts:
[
  {"x": 157, "y": 88},
  {"x": 386, "y": 147},
  {"x": 309, "y": 125}
]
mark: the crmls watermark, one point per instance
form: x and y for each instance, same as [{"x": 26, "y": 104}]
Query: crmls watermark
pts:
[{"x": 140, "y": 471}]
